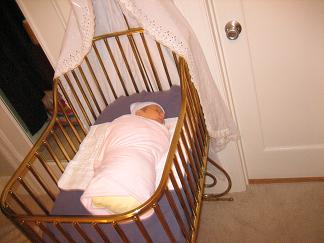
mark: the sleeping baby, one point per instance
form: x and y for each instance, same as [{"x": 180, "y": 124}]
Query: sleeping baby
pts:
[
  {"x": 124, "y": 171},
  {"x": 149, "y": 110}
]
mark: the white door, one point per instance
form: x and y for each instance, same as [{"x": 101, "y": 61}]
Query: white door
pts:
[{"x": 276, "y": 73}]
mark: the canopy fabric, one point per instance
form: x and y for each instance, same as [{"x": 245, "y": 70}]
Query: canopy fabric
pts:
[{"x": 161, "y": 20}]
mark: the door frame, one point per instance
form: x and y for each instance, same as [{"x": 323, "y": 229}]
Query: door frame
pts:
[
  {"x": 199, "y": 13},
  {"x": 14, "y": 141}
]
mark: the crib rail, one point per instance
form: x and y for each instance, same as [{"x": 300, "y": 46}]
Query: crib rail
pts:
[
  {"x": 31, "y": 192},
  {"x": 120, "y": 64}
]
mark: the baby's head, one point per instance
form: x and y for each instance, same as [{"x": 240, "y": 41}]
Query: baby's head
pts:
[{"x": 149, "y": 110}]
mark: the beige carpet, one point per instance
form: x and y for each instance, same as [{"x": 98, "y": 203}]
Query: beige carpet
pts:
[
  {"x": 275, "y": 213},
  {"x": 267, "y": 213}
]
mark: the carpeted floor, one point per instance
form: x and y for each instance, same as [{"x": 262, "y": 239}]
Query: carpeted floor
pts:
[
  {"x": 287, "y": 213},
  {"x": 274, "y": 213}
]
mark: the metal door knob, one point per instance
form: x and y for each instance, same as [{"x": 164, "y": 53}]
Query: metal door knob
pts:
[{"x": 233, "y": 29}]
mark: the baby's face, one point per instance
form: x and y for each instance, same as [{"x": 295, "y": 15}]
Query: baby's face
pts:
[{"x": 153, "y": 112}]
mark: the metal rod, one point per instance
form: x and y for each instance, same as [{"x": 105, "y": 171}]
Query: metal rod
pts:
[
  {"x": 85, "y": 97},
  {"x": 100, "y": 232},
  {"x": 142, "y": 229},
  {"x": 194, "y": 133},
  {"x": 164, "y": 223},
  {"x": 94, "y": 77},
  {"x": 116, "y": 67},
  {"x": 193, "y": 141},
  {"x": 20, "y": 203},
  {"x": 164, "y": 63},
  {"x": 197, "y": 120},
  {"x": 176, "y": 61},
  {"x": 67, "y": 137},
  {"x": 63, "y": 232},
  {"x": 157, "y": 80},
  {"x": 86, "y": 82},
  {"x": 102, "y": 65},
  {"x": 183, "y": 183},
  {"x": 34, "y": 234},
  {"x": 74, "y": 113},
  {"x": 31, "y": 193},
  {"x": 139, "y": 61},
  {"x": 187, "y": 172},
  {"x": 142, "y": 64},
  {"x": 229, "y": 184},
  {"x": 120, "y": 232},
  {"x": 176, "y": 213},
  {"x": 192, "y": 164},
  {"x": 125, "y": 32},
  {"x": 46, "y": 167},
  {"x": 180, "y": 197},
  {"x": 60, "y": 145},
  {"x": 47, "y": 232},
  {"x": 41, "y": 182},
  {"x": 57, "y": 161},
  {"x": 85, "y": 115},
  {"x": 76, "y": 225},
  {"x": 126, "y": 63}
]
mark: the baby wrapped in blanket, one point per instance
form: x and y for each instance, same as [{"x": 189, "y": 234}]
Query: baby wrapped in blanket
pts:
[{"x": 124, "y": 173}]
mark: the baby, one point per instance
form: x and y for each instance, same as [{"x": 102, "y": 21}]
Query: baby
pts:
[
  {"x": 149, "y": 110},
  {"x": 125, "y": 169}
]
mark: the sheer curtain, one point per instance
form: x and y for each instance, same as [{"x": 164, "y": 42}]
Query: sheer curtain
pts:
[{"x": 163, "y": 22}]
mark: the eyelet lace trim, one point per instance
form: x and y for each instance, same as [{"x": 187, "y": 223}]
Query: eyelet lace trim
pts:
[
  {"x": 77, "y": 53},
  {"x": 162, "y": 35}
]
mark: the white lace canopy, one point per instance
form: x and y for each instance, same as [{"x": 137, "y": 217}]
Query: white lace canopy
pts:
[{"x": 163, "y": 22}]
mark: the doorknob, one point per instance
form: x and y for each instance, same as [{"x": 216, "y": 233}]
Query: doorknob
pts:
[{"x": 233, "y": 29}]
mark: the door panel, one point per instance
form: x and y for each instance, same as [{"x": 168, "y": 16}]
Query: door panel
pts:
[{"x": 276, "y": 71}]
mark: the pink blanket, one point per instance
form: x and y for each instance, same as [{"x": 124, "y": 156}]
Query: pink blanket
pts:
[{"x": 126, "y": 164}]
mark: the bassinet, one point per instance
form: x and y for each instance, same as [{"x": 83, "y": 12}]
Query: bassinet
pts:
[{"x": 31, "y": 193}]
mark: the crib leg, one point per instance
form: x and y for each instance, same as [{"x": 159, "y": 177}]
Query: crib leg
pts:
[{"x": 217, "y": 196}]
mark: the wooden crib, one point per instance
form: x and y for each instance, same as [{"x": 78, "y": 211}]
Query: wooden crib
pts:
[{"x": 30, "y": 195}]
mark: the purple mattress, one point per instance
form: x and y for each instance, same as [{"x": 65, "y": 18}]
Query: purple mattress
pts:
[{"x": 68, "y": 202}]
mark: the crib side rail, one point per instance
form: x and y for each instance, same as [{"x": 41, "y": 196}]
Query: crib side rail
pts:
[
  {"x": 29, "y": 196},
  {"x": 184, "y": 169},
  {"x": 118, "y": 64},
  {"x": 33, "y": 188}
]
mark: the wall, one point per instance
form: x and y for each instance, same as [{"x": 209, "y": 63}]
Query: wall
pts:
[{"x": 14, "y": 144}]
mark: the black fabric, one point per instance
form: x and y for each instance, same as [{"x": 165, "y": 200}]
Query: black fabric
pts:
[{"x": 24, "y": 71}]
